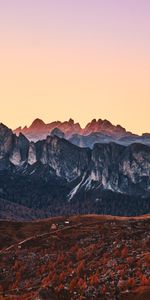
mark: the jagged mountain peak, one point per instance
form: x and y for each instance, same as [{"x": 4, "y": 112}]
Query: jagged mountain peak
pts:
[
  {"x": 37, "y": 123},
  {"x": 70, "y": 127},
  {"x": 96, "y": 131},
  {"x": 71, "y": 121}
]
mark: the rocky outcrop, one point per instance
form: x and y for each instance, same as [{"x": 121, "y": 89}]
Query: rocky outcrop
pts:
[
  {"x": 105, "y": 164},
  {"x": 134, "y": 167},
  {"x": 19, "y": 150},
  {"x": 66, "y": 159},
  {"x": 32, "y": 159},
  {"x": 6, "y": 141},
  {"x": 117, "y": 168},
  {"x": 56, "y": 171},
  {"x": 113, "y": 166}
]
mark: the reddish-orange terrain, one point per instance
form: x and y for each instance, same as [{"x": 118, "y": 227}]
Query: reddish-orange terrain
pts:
[{"x": 84, "y": 257}]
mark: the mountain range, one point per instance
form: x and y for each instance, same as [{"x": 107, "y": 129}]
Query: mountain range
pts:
[
  {"x": 55, "y": 177},
  {"x": 96, "y": 131}
]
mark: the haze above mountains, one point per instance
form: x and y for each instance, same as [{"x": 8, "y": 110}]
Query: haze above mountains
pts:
[{"x": 96, "y": 131}]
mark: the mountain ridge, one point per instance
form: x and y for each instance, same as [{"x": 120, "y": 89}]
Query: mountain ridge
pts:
[
  {"x": 94, "y": 125},
  {"x": 96, "y": 131},
  {"x": 57, "y": 175}
]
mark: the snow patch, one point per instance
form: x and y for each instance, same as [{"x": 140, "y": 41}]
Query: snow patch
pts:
[{"x": 76, "y": 188}]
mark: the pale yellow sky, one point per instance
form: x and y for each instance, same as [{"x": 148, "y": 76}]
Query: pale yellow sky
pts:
[
  {"x": 80, "y": 72},
  {"x": 60, "y": 86}
]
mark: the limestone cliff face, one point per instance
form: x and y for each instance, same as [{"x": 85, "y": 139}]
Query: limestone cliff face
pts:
[
  {"x": 66, "y": 159},
  {"x": 119, "y": 168},
  {"x": 109, "y": 166},
  {"x": 15, "y": 157},
  {"x": 32, "y": 154},
  {"x": 134, "y": 167},
  {"x": 6, "y": 141},
  {"x": 105, "y": 164},
  {"x": 19, "y": 150}
]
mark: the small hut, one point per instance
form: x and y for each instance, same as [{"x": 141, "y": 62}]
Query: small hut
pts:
[{"x": 53, "y": 226}]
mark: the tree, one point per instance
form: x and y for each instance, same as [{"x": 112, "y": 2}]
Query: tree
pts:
[
  {"x": 60, "y": 287},
  {"x": 62, "y": 276},
  {"x": 16, "y": 265},
  {"x": 82, "y": 285},
  {"x": 79, "y": 254},
  {"x": 94, "y": 279},
  {"x": 104, "y": 289},
  {"x": 144, "y": 280},
  {"x": 42, "y": 269},
  {"x": 60, "y": 258},
  {"x": 73, "y": 284},
  {"x": 131, "y": 282},
  {"x": 18, "y": 277},
  {"x": 124, "y": 252},
  {"x": 80, "y": 282},
  {"x": 80, "y": 267},
  {"x": 46, "y": 281}
]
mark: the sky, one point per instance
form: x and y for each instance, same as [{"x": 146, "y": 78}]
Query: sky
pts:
[{"x": 79, "y": 59}]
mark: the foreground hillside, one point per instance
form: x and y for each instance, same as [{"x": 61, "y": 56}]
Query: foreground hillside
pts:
[
  {"x": 14, "y": 211},
  {"x": 83, "y": 257}
]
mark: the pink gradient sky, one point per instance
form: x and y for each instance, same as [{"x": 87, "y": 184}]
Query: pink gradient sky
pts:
[{"x": 81, "y": 59}]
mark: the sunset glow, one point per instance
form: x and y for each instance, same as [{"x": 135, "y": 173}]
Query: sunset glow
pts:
[{"x": 79, "y": 59}]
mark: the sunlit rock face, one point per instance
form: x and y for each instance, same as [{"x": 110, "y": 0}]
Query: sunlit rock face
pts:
[
  {"x": 119, "y": 168},
  {"x": 32, "y": 154},
  {"x": 68, "y": 160},
  {"x": 105, "y": 164},
  {"x": 135, "y": 167},
  {"x": 20, "y": 148},
  {"x": 53, "y": 172},
  {"x": 15, "y": 157},
  {"x": 104, "y": 126}
]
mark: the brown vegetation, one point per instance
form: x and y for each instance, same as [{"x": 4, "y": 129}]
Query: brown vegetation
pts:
[{"x": 87, "y": 257}]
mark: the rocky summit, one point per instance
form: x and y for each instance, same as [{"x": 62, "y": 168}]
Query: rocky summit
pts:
[
  {"x": 56, "y": 177},
  {"x": 96, "y": 131}
]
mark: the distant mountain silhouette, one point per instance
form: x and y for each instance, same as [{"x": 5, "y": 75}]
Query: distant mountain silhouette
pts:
[{"x": 96, "y": 131}]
